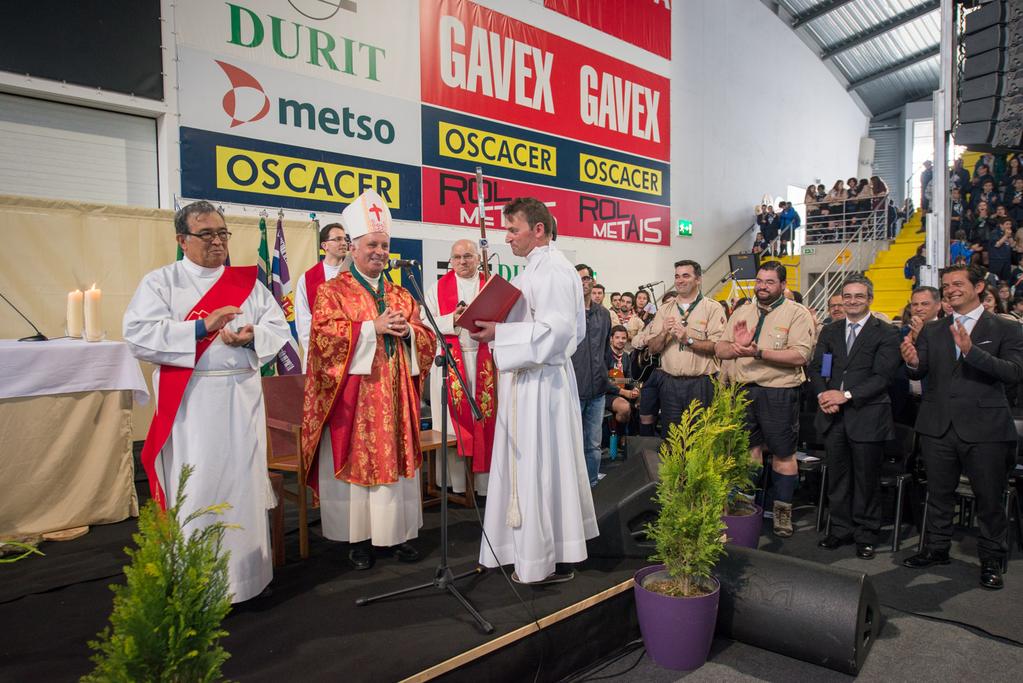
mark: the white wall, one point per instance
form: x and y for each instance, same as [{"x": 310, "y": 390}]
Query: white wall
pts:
[{"x": 754, "y": 111}]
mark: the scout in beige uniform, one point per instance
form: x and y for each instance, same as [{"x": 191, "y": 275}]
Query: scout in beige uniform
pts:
[
  {"x": 771, "y": 341},
  {"x": 684, "y": 333}
]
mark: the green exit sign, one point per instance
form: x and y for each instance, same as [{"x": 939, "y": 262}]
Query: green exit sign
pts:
[{"x": 685, "y": 228}]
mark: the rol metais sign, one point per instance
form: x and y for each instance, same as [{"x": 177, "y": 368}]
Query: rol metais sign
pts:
[
  {"x": 449, "y": 198},
  {"x": 481, "y": 62}
]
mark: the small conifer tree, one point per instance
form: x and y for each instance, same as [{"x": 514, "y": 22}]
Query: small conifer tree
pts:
[
  {"x": 692, "y": 492},
  {"x": 731, "y": 442},
  {"x": 166, "y": 621}
]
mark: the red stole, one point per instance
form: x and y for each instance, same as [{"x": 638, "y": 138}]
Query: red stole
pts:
[
  {"x": 475, "y": 439},
  {"x": 231, "y": 289},
  {"x": 314, "y": 277}
]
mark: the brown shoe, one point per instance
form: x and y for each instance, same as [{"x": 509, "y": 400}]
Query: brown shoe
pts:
[{"x": 782, "y": 519}]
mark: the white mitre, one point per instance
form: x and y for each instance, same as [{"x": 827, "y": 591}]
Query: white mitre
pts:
[{"x": 368, "y": 213}]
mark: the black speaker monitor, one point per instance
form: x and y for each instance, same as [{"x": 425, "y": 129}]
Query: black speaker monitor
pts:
[
  {"x": 746, "y": 265},
  {"x": 625, "y": 502},
  {"x": 819, "y": 614}
]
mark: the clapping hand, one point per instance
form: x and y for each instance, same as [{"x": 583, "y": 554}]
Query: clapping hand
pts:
[
  {"x": 908, "y": 351},
  {"x": 961, "y": 338},
  {"x": 744, "y": 346},
  {"x": 239, "y": 338}
]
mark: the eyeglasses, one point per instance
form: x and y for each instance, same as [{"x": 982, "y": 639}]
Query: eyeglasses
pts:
[
  {"x": 208, "y": 236},
  {"x": 463, "y": 257},
  {"x": 585, "y": 278}
]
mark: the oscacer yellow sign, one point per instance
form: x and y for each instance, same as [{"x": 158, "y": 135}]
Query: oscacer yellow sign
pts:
[
  {"x": 278, "y": 175},
  {"x": 471, "y": 144},
  {"x": 612, "y": 173}
]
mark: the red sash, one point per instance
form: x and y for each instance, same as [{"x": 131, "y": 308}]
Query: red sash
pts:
[
  {"x": 231, "y": 289},
  {"x": 475, "y": 439},
  {"x": 314, "y": 277}
]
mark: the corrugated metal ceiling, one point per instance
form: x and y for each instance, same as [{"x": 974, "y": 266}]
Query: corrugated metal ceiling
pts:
[{"x": 917, "y": 37}]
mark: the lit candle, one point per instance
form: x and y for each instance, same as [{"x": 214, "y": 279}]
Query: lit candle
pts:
[
  {"x": 74, "y": 313},
  {"x": 93, "y": 317}
]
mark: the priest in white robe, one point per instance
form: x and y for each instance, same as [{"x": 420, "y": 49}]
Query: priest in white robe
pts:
[
  {"x": 539, "y": 507},
  {"x": 465, "y": 276},
  {"x": 334, "y": 242},
  {"x": 209, "y": 329}
]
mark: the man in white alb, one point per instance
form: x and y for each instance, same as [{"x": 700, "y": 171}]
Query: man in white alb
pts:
[
  {"x": 209, "y": 329},
  {"x": 446, "y": 300},
  {"x": 539, "y": 507},
  {"x": 334, "y": 243}
]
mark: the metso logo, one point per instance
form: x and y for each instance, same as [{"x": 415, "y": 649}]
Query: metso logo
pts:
[{"x": 243, "y": 83}]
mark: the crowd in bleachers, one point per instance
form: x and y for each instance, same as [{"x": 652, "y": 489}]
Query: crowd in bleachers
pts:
[
  {"x": 985, "y": 214},
  {"x": 831, "y": 216}
]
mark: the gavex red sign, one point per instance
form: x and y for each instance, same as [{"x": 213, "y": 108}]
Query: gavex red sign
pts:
[{"x": 478, "y": 61}]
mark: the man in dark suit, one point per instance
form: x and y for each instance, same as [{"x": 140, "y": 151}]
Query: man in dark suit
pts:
[
  {"x": 964, "y": 421},
  {"x": 852, "y": 366}
]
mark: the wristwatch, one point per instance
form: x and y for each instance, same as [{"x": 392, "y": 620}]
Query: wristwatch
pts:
[
  {"x": 690, "y": 341},
  {"x": 848, "y": 395},
  {"x": 759, "y": 355}
]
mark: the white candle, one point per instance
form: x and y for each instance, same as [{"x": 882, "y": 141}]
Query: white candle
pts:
[
  {"x": 74, "y": 313},
  {"x": 93, "y": 317}
]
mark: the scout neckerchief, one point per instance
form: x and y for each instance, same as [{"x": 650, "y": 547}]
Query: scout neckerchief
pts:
[
  {"x": 685, "y": 315},
  {"x": 763, "y": 316},
  {"x": 378, "y": 296}
]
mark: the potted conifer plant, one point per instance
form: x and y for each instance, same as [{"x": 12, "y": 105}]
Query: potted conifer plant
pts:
[
  {"x": 742, "y": 517},
  {"x": 166, "y": 621},
  {"x": 677, "y": 601}
]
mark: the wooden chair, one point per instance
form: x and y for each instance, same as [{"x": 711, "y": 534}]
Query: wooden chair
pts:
[
  {"x": 282, "y": 398},
  {"x": 277, "y": 520},
  {"x": 431, "y": 443}
]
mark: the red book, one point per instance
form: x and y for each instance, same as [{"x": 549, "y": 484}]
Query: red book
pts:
[{"x": 494, "y": 302}]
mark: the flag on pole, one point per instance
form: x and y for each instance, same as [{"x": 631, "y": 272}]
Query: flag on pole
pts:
[
  {"x": 180, "y": 254},
  {"x": 288, "y": 362},
  {"x": 263, "y": 275}
]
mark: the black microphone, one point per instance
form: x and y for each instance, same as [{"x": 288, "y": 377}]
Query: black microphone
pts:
[
  {"x": 404, "y": 263},
  {"x": 730, "y": 276},
  {"x": 651, "y": 284},
  {"x": 38, "y": 336}
]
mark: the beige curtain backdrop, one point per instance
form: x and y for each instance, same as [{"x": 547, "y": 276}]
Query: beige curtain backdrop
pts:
[{"x": 51, "y": 247}]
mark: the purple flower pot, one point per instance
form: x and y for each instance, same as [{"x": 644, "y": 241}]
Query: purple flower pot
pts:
[
  {"x": 744, "y": 530},
  {"x": 677, "y": 632}
]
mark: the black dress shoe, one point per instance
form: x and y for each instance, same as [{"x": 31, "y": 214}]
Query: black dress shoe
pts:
[
  {"x": 991, "y": 575},
  {"x": 831, "y": 542},
  {"x": 361, "y": 557},
  {"x": 926, "y": 559},
  {"x": 865, "y": 551},
  {"x": 406, "y": 552}
]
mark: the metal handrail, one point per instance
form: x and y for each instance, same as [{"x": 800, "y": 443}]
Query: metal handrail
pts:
[{"x": 872, "y": 232}]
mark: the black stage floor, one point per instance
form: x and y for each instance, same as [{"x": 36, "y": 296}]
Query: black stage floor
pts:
[{"x": 941, "y": 625}]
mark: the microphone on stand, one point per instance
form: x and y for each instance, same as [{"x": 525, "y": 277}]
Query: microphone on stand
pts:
[
  {"x": 404, "y": 263},
  {"x": 651, "y": 284},
  {"x": 730, "y": 276},
  {"x": 38, "y": 336}
]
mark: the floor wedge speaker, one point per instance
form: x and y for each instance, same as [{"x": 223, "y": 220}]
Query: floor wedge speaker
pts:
[
  {"x": 819, "y": 614},
  {"x": 625, "y": 501}
]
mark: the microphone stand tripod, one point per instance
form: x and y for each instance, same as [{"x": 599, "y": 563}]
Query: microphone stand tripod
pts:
[{"x": 443, "y": 579}]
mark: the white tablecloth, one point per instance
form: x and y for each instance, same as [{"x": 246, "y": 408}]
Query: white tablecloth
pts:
[{"x": 64, "y": 366}]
